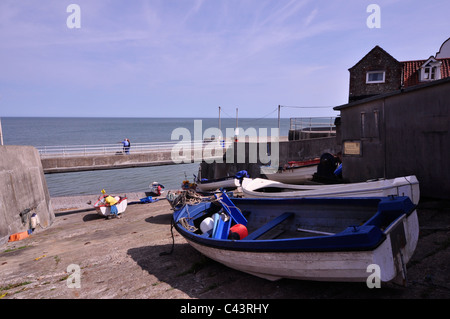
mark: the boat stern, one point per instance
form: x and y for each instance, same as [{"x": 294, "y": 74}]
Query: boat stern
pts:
[{"x": 398, "y": 248}]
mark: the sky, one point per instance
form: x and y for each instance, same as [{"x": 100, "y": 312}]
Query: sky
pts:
[{"x": 185, "y": 58}]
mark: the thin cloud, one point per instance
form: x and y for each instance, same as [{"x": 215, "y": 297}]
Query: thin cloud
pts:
[
  {"x": 310, "y": 17},
  {"x": 193, "y": 10}
]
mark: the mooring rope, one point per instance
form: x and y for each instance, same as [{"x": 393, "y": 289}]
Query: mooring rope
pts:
[{"x": 178, "y": 201}]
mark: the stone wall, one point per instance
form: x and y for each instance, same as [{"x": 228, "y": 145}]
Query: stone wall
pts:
[{"x": 376, "y": 60}]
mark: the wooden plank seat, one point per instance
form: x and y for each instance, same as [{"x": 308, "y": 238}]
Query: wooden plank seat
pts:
[{"x": 268, "y": 226}]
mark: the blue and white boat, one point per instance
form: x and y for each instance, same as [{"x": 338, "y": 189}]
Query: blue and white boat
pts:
[{"x": 322, "y": 239}]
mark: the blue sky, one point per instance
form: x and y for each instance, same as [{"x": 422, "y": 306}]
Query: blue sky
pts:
[{"x": 185, "y": 58}]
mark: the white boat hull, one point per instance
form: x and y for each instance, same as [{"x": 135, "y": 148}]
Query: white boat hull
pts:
[
  {"x": 228, "y": 184},
  {"x": 351, "y": 266},
  {"x": 401, "y": 186},
  {"x": 105, "y": 211},
  {"x": 293, "y": 175}
]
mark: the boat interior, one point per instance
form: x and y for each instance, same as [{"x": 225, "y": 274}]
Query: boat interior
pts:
[
  {"x": 272, "y": 189},
  {"x": 297, "y": 218}
]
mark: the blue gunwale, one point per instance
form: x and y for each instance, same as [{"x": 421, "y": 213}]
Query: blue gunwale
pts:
[{"x": 361, "y": 238}]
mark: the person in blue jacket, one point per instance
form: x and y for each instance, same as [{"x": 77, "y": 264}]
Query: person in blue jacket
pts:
[{"x": 126, "y": 146}]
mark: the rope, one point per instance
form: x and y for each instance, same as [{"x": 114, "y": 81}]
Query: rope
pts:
[
  {"x": 185, "y": 223},
  {"x": 228, "y": 206},
  {"x": 187, "y": 197},
  {"x": 164, "y": 253},
  {"x": 178, "y": 201}
]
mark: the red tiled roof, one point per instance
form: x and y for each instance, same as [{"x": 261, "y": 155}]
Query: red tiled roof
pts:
[
  {"x": 411, "y": 71},
  {"x": 445, "y": 68}
]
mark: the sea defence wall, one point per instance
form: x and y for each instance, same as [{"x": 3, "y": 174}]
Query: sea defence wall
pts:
[
  {"x": 23, "y": 191},
  {"x": 101, "y": 162},
  {"x": 63, "y": 164},
  {"x": 288, "y": 151}
]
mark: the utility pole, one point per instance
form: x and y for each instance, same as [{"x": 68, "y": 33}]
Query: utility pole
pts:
[
  {"x": 279, "y": 108},
  {"x": 219, "y": 121},
  {"x": 236, "y": 130}
]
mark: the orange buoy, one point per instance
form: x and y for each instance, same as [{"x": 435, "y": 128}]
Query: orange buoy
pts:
[{"x": 238, "y": 232}]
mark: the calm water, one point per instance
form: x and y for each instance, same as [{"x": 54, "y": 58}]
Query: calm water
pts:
[{"x": 93, "y": 131}]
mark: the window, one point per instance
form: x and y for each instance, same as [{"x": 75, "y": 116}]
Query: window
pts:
[
  {"x": 370, "y": 124},
  {"x": 430, "y": 73},
  {"x": 430, "y": 70},
  {"x": 375, "y": 77}
]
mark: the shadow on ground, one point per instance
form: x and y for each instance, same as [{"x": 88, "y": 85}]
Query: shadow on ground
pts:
[{"x": 200, "y": 277}]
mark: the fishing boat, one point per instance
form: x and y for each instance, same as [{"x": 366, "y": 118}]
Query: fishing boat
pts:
[
  {"x": 229, "y": 182},
  {"x": 295, "y": 172},
  {"x": 320, "y": 239},
  {"x": 296, "y": 175},
  {"x": 109, "y": 206},
  {"x": 156, "y": 189},
  {"x": 401, "y": 186}
]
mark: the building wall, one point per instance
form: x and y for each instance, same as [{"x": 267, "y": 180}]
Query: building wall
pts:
[
  {"x": 413, "y": 137},
  {"x": 420, "y": 123},
  {"x": 376, "y": 60},
  {"x": 358, "y": 125}
]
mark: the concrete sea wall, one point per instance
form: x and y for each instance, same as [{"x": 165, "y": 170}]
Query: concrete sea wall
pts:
[
  {"x": 23, "y": 191},
  {"x": 288, "y": 151}
]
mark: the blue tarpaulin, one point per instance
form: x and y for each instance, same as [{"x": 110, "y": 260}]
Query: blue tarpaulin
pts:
[{"x": 148, "y": 199}]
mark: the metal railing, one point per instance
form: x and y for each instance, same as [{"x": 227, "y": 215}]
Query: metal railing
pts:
[
  {"x": 311, "y": 127},
  {"x": 116, "y": 149},
  {"x": 313, "y": 124}
]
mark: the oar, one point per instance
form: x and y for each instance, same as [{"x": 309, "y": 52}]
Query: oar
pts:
[{"x": 315, "y": 232}]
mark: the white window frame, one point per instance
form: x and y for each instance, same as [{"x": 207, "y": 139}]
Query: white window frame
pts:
[
  {"x": 433, "y": 73},
  {"x": 434, "y": 70},
  {"x": 373, "y": 72}
]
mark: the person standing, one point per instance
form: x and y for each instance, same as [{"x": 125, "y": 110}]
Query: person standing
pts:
[{"x": 126, "y": 146}]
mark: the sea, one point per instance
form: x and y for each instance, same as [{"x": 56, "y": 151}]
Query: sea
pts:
[{"x": 64, "y": 131}]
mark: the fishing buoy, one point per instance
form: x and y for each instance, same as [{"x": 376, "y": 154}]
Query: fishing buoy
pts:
[
  {"x": 238, "y": 232},
  {"x": 34, "y": 221},
  {"x": 206, "y": 225}
]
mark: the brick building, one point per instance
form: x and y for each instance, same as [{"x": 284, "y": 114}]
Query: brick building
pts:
[{"x": 378, "y": 72}]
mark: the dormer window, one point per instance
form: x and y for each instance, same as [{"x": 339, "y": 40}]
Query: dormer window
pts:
[
  {"x": 429, "y": 73},
  {"x": 430, "y": 70},
  {"x": 375, "y": 77}
]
